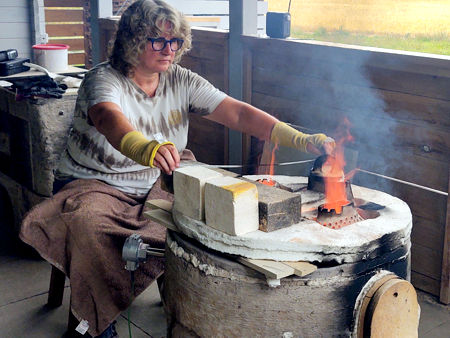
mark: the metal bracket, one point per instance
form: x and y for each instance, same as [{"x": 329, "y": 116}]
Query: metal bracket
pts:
[{"x": 135, "y": 251}]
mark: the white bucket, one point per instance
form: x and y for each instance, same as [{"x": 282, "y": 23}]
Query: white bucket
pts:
[{"x": 52, "y": 57}]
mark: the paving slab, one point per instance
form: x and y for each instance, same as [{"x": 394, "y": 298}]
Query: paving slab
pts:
[
  {"x": 21, "y": 279},
  {"x": 432, "y": 315},
  {"x": 147, "y": 313},
  {"x": 31, "y": 318}
]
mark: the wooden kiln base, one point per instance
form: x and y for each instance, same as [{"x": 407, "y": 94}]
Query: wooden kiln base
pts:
[{"x": 208, "y": 294}]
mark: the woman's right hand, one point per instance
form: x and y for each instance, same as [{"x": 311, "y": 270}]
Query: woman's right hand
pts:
[{"x": 167, "y": 159}]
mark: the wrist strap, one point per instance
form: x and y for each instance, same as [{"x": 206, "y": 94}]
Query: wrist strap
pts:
[
  {"x": 137, "y": 147},
  {"x": 155, "y": 150}
]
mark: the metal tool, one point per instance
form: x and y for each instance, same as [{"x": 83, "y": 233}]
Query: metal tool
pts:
[{"x": 135, "y": 251}]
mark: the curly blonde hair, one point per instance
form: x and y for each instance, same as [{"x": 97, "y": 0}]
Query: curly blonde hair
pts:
[{"x": 141, "y": 20}]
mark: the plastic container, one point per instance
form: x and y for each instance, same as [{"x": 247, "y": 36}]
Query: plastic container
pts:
[{"x": 53, "y": 57}]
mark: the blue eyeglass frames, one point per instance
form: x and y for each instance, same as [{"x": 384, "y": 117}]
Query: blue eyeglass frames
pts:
[{"x": 161, "y": 43}]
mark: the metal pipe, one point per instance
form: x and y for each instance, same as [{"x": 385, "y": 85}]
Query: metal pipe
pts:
[{"x": 404, "y": 182}]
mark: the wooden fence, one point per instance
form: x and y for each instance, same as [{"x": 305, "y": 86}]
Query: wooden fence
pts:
[
  {"x": 67, "y": 22},
  {"x": 399, "y": 106}
]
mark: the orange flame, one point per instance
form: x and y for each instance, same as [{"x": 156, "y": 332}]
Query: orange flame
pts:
[
  {"x": 333, "y": 169},
  {"x": 272, "y": 160},
  {"x": 269, "y": 181}
]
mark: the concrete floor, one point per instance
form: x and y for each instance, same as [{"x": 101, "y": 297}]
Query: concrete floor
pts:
[{"x": 24, "y": 281}]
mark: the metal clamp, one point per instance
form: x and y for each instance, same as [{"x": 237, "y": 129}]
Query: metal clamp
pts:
[{"x": 135, "y": 251}]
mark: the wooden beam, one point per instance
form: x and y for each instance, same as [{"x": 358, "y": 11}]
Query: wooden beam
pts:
[
  {"x": 271, "y": 269},
  {"x": 37, "y": 18},
  {"x": 162, "y": 217},
  {"x": 302, "y": 268},
  {"x": 445, "y": 275},
  {"x": 159, "y": 204}
]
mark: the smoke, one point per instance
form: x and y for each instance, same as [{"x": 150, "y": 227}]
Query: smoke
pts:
[{"x": 348, "y": 91}]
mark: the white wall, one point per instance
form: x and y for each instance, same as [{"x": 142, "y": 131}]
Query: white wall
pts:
[
  {"x": 15, "y": 26},
  {"x": 218, "y": 9}
]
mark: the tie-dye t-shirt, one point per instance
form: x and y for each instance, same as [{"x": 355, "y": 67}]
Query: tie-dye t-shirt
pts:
[{"x": 162, "y": 117}]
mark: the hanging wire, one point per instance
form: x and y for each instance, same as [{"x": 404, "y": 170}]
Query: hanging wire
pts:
[
  {"x": 131, "y": 299},
  {"x": 289, "y": 7},
  {"x": 121, "y": 7}
]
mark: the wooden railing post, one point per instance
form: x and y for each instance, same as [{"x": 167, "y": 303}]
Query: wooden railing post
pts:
[{"x": 445, "y": 275}]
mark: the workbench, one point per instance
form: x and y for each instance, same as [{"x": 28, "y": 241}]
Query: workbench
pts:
[{"x": 33, "y": 134}]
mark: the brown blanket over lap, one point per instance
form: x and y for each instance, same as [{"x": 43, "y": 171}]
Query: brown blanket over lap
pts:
[{"x": 81, "y": 231}]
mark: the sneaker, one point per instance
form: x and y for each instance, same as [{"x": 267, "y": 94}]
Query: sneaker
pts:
[{"x": 110, "y": 332}]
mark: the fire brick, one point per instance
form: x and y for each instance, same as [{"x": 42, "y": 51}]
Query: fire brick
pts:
[
  {"x": 231, "y": 205},
  {"x": 189, "y": 184},
  {"x": 278, "y": 208}
]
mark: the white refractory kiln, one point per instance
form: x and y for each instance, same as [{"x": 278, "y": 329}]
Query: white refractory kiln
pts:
[{"x": 360, "y": 287}]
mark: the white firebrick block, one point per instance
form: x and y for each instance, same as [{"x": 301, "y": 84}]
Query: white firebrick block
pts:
[
  {"x": 231, "y": 205},
  {"x": 188, "y": 186}
]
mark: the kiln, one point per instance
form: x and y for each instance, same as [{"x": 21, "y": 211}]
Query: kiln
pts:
[{"x": 220, "y": 285}]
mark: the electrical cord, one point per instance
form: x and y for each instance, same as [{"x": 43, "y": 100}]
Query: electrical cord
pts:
[{"x": 131, "y": 299}]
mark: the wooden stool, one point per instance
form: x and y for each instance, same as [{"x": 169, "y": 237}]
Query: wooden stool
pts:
[
  {"x": 56, "y": 288},
  {"x": 56, "y": 294}
]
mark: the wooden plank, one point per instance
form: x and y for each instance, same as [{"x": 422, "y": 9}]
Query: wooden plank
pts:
[
  {"x": 62, "y": 15},
  {"x": 428, "y": 166},
  {"x": 345, "y": 93},
  {"x": 399, "y": 163},
  {"x": 413, "y": 83},
  {"x": 208, "y": 49},
  {"x": 65, "y": 30},
  {"x": 302, "y": 268},
  {"x": 428, "y": 205},
  {"x": 74, "y": 44},
  {"x": 420, "y": 63},
  {"x": 161, "y": 217},
  {"x": 200, "y": 131},
  {"x": 210, "y": 70},
  {"x": 356, "y": 74},
  {"x": 425, "y": 283},
  {"x": 65, "y": 3},
  {"x": 271, "y": 269},
  {"x": 444, "y": 295},
  {"x": 351, "y": 68},
  {"x": 426, "y": 233},
  {"x": 388, "y": 131},
  {"x": 159, "y": 204},
  {"x": 247, "y": 97},
  {"x": 411, "y": 109},
  {"x": 426, "y": 261},
  {"x": 209, "y": 34},
  {"x": 77, "y": 59}
]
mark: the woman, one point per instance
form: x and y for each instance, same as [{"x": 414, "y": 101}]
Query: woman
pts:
[{"x": 131, "y": 123}]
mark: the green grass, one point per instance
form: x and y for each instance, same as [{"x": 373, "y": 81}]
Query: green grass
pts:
[{"x": 435, "y": 44}]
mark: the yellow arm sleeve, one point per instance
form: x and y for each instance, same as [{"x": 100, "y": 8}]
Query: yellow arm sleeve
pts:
[
  {"x": 137, "y": 147},
  {"x": 287, "y": 136}
]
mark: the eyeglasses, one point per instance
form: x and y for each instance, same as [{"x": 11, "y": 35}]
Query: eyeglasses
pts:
[{"x": 160, "y": 43}]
